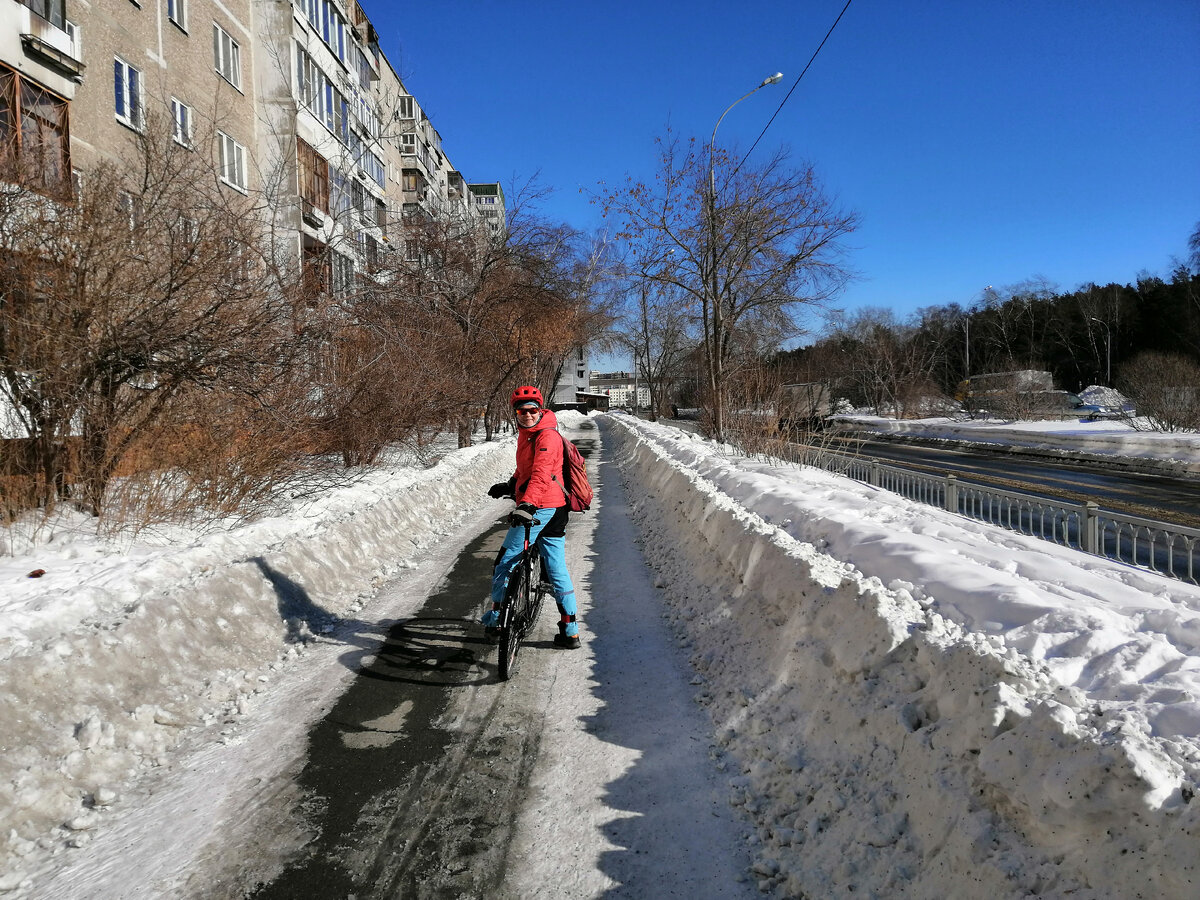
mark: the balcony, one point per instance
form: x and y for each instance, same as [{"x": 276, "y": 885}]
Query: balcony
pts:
[
  {"x": 45, "y": 40},
  {"x": 312, "y": 216}
]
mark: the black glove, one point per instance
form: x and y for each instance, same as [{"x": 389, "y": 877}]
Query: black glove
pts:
[
  {"x": 522, "y": 515},
  {"x": 501, "y": 489}
]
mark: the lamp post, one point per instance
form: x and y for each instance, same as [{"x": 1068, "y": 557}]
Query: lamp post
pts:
[
  {"x": 1107, "y": 351},
  {"x": 967, "y": 343},
  {"x": 712, "y": 291},
  {"x": 712, "y": 182}
]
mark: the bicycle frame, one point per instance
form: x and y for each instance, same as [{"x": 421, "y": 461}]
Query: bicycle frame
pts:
[{"x": 522, "y": 605}]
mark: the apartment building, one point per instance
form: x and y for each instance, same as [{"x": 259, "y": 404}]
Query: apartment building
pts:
[
  {"x": 291, "y": 99},
  {"x": 621, "y": 388},
  {"x": 573, "y": 379},
  {"x": 489, "y": 201}
]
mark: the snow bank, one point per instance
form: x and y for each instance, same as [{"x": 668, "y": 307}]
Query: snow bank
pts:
[
  {"x": 109, "y": 659},
  {"x": 883, "y": 748}
]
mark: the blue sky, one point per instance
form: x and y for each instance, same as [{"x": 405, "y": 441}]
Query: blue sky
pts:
[{"x": 981, "y": 143}]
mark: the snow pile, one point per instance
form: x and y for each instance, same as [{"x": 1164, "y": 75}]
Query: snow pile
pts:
[
  {"x": 914, "y": 702},
  {"x": 111, "y": 657},
  {"x": 1100, "y": 395}
]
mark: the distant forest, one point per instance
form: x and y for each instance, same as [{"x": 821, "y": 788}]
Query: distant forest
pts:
[{"x": 1085, "y": 337}]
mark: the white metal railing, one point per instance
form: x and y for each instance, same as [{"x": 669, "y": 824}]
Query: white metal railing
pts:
[{"x": 1161, "y": 547}]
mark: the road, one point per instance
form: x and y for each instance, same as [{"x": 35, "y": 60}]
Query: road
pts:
[{"x": 1160, "y": 497}]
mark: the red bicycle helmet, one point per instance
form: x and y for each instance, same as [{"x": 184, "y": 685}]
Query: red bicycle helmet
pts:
[{"x": 526, "y": 393}]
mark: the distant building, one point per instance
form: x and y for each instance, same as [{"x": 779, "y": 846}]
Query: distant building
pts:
[
  {"x": 622, "y": 388},
  {"x": 572, "y": 380}
]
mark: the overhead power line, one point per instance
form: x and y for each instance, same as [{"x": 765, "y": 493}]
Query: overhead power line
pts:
[{"x": 795, "y": 84}]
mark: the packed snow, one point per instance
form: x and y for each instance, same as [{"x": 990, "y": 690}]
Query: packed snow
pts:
[{"x": 904, "y": 701}]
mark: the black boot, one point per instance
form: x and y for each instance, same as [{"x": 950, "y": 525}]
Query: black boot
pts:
[{"x": 563, "y": 640}]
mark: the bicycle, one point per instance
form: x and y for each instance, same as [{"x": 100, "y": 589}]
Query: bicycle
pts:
[{"x": 522, "y": 604}]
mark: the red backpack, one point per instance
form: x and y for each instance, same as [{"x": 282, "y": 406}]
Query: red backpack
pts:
[{"x": 575, "y": 482}]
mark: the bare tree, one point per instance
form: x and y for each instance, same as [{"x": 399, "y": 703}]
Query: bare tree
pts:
[
  {"x": 893, "y": 369},
  {"x": 748, "y": 246},
  {"x": 656, "y": 331},
  {"x": 133, "y": 317}
]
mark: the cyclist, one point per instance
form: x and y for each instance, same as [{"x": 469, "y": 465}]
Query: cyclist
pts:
[{"x": 537, "y": 488}]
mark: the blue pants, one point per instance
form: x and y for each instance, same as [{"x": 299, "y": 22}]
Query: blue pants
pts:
[{"x": 554, "y": 553}]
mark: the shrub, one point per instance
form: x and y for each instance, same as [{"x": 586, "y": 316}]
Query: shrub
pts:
[{"x": 1164, "y": 387}]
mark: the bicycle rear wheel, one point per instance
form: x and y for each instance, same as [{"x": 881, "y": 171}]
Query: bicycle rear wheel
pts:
[{"x": 516, "y": 603}]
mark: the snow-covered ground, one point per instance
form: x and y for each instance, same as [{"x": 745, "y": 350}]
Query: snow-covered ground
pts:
[
  {"x": 908, "y": 702},
  {"x": 125, "y": 646},
  {"x": 1106, "y": 439}
]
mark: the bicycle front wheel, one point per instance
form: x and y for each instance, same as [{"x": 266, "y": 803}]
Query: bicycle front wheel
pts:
[{"x": 516, "y": 602}]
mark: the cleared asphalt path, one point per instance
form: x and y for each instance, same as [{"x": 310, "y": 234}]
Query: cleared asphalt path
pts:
[{"x": 588, "y": 774}]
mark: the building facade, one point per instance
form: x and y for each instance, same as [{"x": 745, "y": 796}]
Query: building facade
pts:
[{"x": 292, "y": 100}]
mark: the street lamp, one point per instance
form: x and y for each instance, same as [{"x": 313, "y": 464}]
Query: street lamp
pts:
[
  {"x": 1107, "y": 351},
  {"x": 712, "y": 182},
  {"x": 967, "y": 342},
  {"x": 712, "y": 291}
]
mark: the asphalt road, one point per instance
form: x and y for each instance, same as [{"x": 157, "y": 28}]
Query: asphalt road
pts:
[{"x": 1162, "y": 497}]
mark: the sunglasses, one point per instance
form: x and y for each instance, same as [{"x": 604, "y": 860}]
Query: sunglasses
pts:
[{"x": 529, "y": 412}]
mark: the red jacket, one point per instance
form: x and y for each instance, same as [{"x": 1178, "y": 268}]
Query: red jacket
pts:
[{"x": 540, "y": 464}]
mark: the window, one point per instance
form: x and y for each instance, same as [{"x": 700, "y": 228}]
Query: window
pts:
[
  {"x": 328, "y": 24},
  {"x": 189, "y": 232},
  {"x": 367, "y": 117},
  {"x": 177, "y": 12},
  {"x": 370, "y": 248},
  {"x": 339, "y": 192},
  {"x": 373, "y": 166},
  {"x": 317, "y": 92},
  {"x": 364, "y": 69},
  {"x": 308, "y": 82},
  {"x": 127, "y": 89},
  {"x": 75, "y": 33},
  {"x": 233, "y": 161},
  {"x": 408, "y": 144},
  {"x": 406, "y": 108},
  {"x": 131, "y": 207},
  {"x": 34, "y": 139},
  {"x": 314, "y": 176},
  {"x": 337, "y": 116},
  {"x": 227, "y": 56},
  {"x": 343, "y": 273},
  {"x": 53, "y": 11},
  {"x": 181, "y": 128}
]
